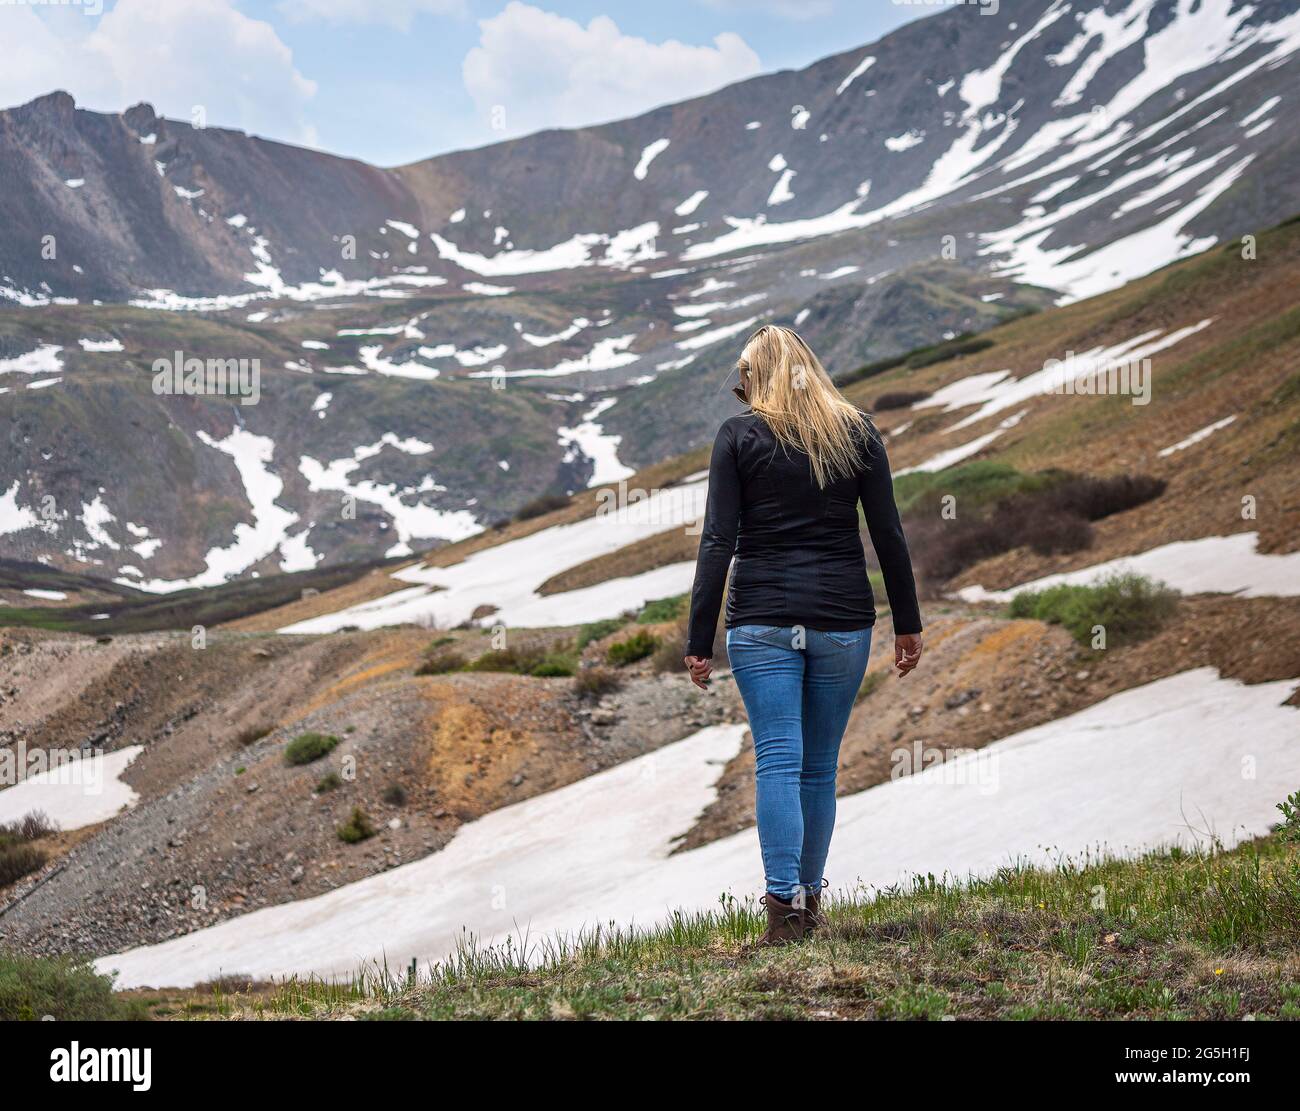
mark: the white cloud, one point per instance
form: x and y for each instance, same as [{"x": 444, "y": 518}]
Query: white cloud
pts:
[
  {"x": 391, "y": 13},
  {"x": 544, "y": 70},
  {"x": 175, "y": 56},
  {"x": 786, "y": 9}
]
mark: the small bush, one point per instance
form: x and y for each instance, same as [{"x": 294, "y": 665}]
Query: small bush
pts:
[
  {"x": 527, "y": 660},
  {"x": 553, "y": 667},
  {"x": 394, "y": 795},
  {"x": 329, "y": 782},
  {"x": 597, "y": 630},
  {"x": 308, "y": 747},
  {"x": 668, "y": 657},
  {"x": 1046, "y": 533},
  {"x": 253, "y": 734},
  {"x": 636, "y": 647},
  {"x": 19, "y": 860},
  {"x": 441, "y": 662},
  {"x": 547, "y": 503},
  {"x": 62, "y": 987},
  {"x": 30, "y": 827},
  {"x": 1095, "y": 498},
  {"x": 18, "y": 856},
  {"x": 662, "y": 609},
  {"x": 900, "y": 399},
  {"x": 1289, "y": 827},
  {"x": 357, "y": 828},
  {"x": 596, "y": 682},
  {"x": 1129, "y": 607}
]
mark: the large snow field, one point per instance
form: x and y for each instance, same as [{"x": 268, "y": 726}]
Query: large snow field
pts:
[
  {"x": 507, "y": 576},
  {"x": 1172, "y": 762}
]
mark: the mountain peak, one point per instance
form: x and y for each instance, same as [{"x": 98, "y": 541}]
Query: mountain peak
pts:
[
  {"x": 57, "y": 104},
  {"x": 141, "y": 117}
]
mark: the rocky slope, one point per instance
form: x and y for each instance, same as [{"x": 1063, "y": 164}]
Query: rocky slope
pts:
[{"x": 440, "y": 343}]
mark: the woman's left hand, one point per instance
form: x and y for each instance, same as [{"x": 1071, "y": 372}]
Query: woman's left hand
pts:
[{"x": 699, "y": 668}]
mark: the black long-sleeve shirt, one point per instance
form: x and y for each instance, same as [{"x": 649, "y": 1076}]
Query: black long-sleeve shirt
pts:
[{"x": 798, "y": 554}]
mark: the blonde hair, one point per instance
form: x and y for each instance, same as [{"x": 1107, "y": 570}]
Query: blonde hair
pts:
[{"x": 790, "y": 389}]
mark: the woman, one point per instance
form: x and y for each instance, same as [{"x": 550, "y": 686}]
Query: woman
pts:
[{"x": 784, "y": 486}]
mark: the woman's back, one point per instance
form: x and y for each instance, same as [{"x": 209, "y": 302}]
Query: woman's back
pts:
[{"x": 798, "y": 554}]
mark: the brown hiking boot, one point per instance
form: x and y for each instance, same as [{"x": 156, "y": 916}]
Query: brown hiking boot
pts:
[
  {"x": 785, "y": 923},
  {"x": 813, "y": 918}
]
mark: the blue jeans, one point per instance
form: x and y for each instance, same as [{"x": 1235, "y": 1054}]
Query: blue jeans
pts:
[{"x": 799, "y": 686}]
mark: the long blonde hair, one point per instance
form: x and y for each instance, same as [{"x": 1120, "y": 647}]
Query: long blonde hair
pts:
[{"x": 789, "y": 388}]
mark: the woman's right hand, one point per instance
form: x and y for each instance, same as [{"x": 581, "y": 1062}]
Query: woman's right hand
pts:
[
  {"x": 907, "y": 652},
  {"x": 699, "y": 668}
]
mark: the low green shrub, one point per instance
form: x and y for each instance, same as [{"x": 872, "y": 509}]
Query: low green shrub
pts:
[
  {"x": 635, "y": 647},
  {"x": 533, "y": 660},
  {"x": 64, "y": 988},
  {"x": 307, "y": 747},
  {"x": 357, "y": 828},
  {"x": 1129, "y": 607},
  {"x": 554, "y": 666}
]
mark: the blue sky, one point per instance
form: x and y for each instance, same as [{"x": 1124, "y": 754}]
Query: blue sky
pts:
[{"x": 392, "y": 81}]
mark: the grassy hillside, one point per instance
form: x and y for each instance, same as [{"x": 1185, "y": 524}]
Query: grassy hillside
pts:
[{"x": 1168, "y": 936}]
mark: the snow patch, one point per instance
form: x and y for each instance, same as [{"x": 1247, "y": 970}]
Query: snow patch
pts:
[
  {"x": 653, "y": 151},
  {"x": 80, "y": 792},
  {"x": 1213, "y": 565}
]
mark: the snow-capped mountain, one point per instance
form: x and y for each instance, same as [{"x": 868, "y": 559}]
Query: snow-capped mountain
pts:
[{"x": 444, "y": 341}]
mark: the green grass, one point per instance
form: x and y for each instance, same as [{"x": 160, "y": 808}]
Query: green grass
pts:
[
  {"x": 659, "y": 610},
  {"x": 1168, "y": 936},
  {"x": 1129, "y": 608},
  {"x": 308, "y": 747},
  {"x": 981, "y": 483},
  {"x": 598, "y": 629},
  {"x": 64, "y": 988}
]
